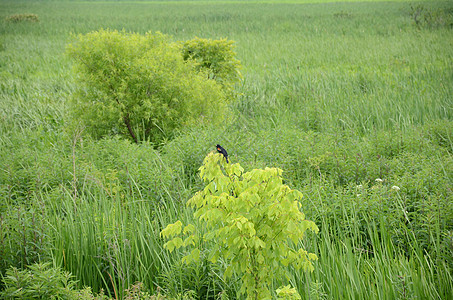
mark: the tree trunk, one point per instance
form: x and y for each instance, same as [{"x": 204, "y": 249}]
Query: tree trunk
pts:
[{"x": 127, "y": 121}]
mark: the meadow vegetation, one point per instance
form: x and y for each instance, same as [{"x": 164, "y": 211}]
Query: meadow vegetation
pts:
[{"x": 351, "y": 99}]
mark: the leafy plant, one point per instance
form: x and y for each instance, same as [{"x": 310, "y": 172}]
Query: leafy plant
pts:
[
  {"x": 139, "y": 86},
  {"x": 287, "y": 292},
  {"x": 254, "y": 221},
  {"x": 39, "y": 281},
  {"x": 316, "y": 291},
  {"x": 23, "y": 237},
  {"x": 216, "y": 57},
  {"x": 42, "y": 281},
  {"x": 136, "y": 292}
]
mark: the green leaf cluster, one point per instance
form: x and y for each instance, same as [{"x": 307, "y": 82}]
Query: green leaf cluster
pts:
[
  {"x": 216, "y": 57},
  {"x": 287, "y": 293},
  {"x": 254, "y": 221},
  {"x": 139, "y": 86},
  {"x": 39, "y": 281}
]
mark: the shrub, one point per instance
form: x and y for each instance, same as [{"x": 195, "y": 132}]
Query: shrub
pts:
[
  {"x": 431, "y": 18},
  {"x": 253, "y": 219},
  {"x": 42, "y": 281},
  {"x": 123, "y": 169},
  {"x": 22, "y": 18},
  {"x": 23, "y": 237},
  {"x": 216, "y": 57},
  {"x": 33, "y": 162},
  {"x": 39, "y": 281},
  {"x": 139, "y": 86}
]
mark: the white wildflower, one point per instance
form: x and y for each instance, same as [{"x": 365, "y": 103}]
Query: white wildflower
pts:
[
  {"x": 379, "y": 180},
  {"x": 395, "y": 188}
]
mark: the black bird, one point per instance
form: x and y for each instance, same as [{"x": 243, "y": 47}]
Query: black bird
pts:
[{"x": 223, "y": 151}]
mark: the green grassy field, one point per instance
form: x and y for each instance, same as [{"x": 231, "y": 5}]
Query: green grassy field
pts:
[{"x": 336, "y": 93}]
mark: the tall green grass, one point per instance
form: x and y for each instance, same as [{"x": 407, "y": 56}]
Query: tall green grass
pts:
[
  {"x": 349, "y": 65},
  {"x": 111, "y": 243},
  {"x": 357, "y": 261}
]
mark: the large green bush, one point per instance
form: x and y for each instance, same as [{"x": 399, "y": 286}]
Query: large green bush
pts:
[{"x": 139, "y": 86}]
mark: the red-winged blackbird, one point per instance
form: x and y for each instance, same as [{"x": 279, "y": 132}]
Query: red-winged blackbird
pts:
[{"x": 223, "y": 151}]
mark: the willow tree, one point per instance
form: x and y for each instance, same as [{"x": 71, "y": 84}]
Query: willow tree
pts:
[{"x": 140, "y": 86}]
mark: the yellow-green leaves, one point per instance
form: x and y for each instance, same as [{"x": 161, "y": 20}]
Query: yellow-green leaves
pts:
[
  {"x": 189, "y": 229},
  {"x": 140, "y": 86},
  {"x": 287, "y": 293},
  {"x": 194, "y": 256},
  {"x": 254, "y": 220},
  {"x": 172, "y": 230},
  {"x": 216, "y": 58}
]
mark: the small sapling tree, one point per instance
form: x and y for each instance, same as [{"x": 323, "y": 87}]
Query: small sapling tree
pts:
[
  {"x": 140, "y": 86},
  {"x": 253, "y": 220}
]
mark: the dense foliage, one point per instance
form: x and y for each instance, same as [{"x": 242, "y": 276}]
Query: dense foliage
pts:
[
  {"x": 250, "y": 217},
  {"x": 39, "y": 281},
  {"x": 215, "y": 57},
  {"x": 140, "y": 86}
]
